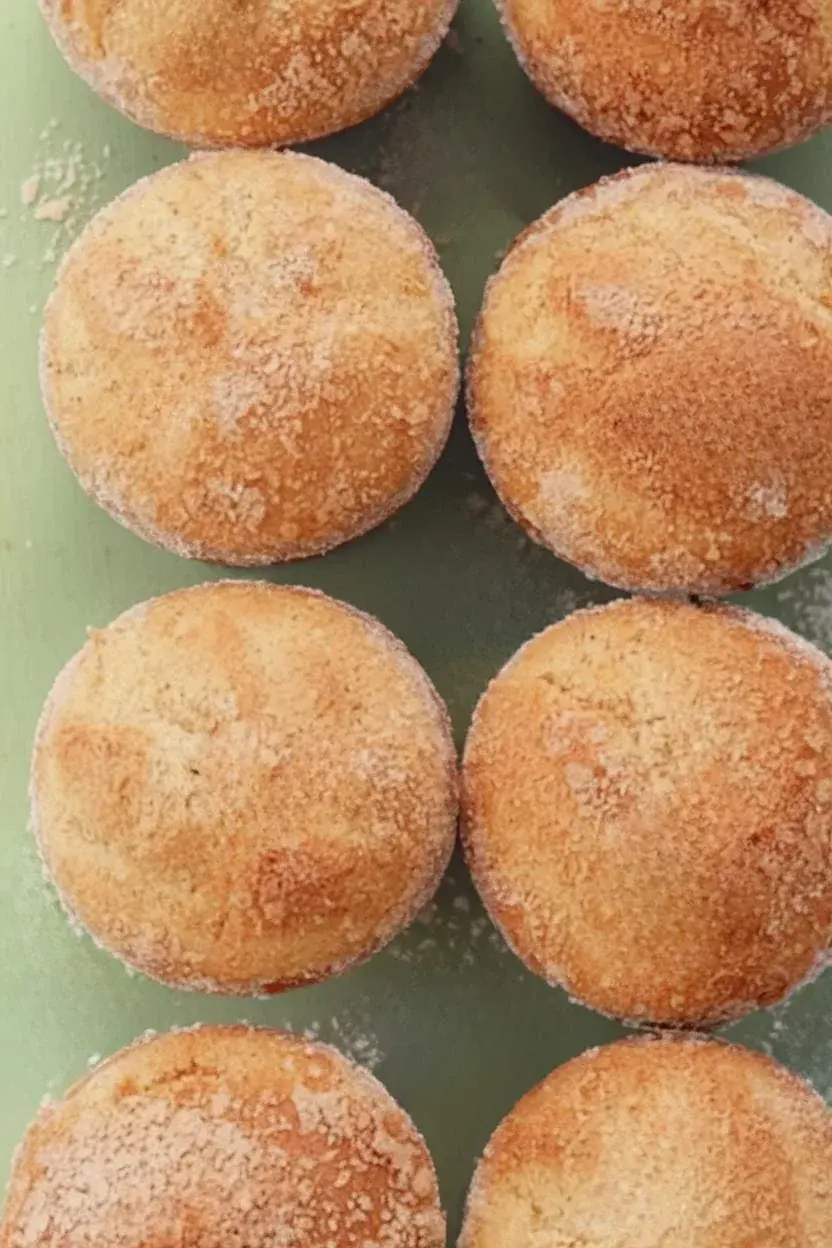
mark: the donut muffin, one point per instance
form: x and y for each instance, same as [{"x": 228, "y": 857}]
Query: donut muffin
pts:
[
  {"x": 252, "y": 73},
  {"x": 219, "y": 1136},
  {"x": 651, "y": 380},
  {"x": 241, "y": 787},
  {"x": 716, "y": 80},
  {"x": 647, "y": 808},
  {"x": 673, "y": 1142},
  {"x": 251, "y": 357}
]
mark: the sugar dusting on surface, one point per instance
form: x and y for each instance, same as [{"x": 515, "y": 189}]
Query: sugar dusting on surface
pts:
[
  {"x": 620, "y": 308},
  {"x": 222, "y": 1136},
  {"x": 769, "y": 499},
  {"x": 618, "y": 302},
  {"x": 726, "y": 1149},
  {"x": 267, "y": 895},
  {"x": 276, "y": 75},
  {"x": 639, "y": 74},
  {"x": 291, "y": 365},
  {"x": 594, "y": 785}
]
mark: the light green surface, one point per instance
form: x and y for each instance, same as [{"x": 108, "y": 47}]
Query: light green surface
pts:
[{"x": 462, "y": 1029}]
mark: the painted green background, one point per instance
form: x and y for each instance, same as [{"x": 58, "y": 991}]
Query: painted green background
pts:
[{"x": 461, "y": 1028}]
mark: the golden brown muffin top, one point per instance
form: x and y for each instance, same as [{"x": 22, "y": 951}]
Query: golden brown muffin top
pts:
[
  {"x": 684, "y": 79},
  {"x": 242, "y": 786},
  {"x": 219, "y": 1136},
  {"x": 251, "y": 356},
  {"x": 251, "y": 72},
  {"x": 647, "y": 805},
  {"x": 659, "y": 1144},
  {"x": 651, "y": 380}
]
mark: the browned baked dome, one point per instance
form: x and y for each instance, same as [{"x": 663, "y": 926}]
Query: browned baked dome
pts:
[
  {"x": 251, "y": 357},
  {"x": 672, "y": 1142},
  {"x": 242, "y": 786},
  {"x": 220, "y": 1136},
  {"x": 647, "y": 809},
  {"x": 651, "y": 381},
  {"x": 253, "y": 72},
  {"x": 685, "y": 79}
]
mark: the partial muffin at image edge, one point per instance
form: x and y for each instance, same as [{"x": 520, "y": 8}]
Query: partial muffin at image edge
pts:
[
  {"x": 671, "y": 1141},
  {"x": 647, "y": 809},
  {"x": 250, "y": 357},
  {"x": 650, "y": 381},
  {"x": 254, "y": 75},
  {"x": 681, "y": 81},
  {"x": 216, "y": 1135},
  {"x": 242, "y": 787}
]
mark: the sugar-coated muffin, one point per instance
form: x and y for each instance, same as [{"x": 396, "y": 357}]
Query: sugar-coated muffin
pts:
[
  {"x": 647, "y": 809},
  {"x": 683, "y": 1143},
  {"x": 650, "y": 384},
  {"x": 242, "y": 787},
  {"x": 250, "y": 357},
  {"x": 252, "y": 73},
  {"x": 717, "y": 80},
  {"x": 219, "y": 1136}
]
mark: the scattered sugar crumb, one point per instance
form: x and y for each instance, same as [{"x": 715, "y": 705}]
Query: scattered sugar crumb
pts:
[
  {"x": 53, "y": 209},
  {"x": 69, "y": 179},
  {"x": 61, "y": 189},
  {"x": 490, "y": 511},
  {"x": 789, "y": 1033},
  {"x": 451, "y": 933},
  {"x": 8, "y": 260},
  {"x": 352, "y": 1034},
  {"x": 496, "y": 517},
  {"x": 29, "y": 189},
  {"x": 565, "y": 602},
  {"x": 805, "y": 603}
]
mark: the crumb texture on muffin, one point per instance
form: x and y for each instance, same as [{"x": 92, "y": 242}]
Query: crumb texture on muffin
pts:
[
  {"x": 668, "y": 1143},
  {"x": 696, "y": 80},
  {"x": 651, "y": 380},
  {"x": 242, "y": 786},
  {"x": 219, "y": 1136},
  {"x": 647, "y": 809},
  {"x": 255, "y": 72},
  {"x": 251, "y": 357}
]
